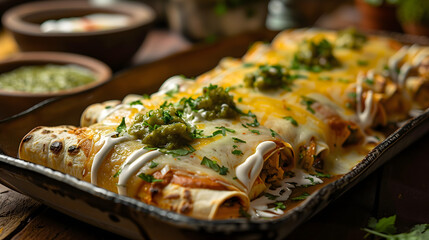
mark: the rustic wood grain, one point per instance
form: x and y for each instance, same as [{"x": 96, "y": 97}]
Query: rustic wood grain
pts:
[
  {"x": 15, "y": 209},
  {"x": 50, "y": 224}
]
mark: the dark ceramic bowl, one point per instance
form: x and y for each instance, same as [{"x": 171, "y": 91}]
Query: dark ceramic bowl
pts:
[
  {"x": 116, "y": 46},
  {"x": 15, "y": 102}
]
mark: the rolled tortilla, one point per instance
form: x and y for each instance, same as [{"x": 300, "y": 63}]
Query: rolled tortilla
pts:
[{"x": 182, "y": 183}]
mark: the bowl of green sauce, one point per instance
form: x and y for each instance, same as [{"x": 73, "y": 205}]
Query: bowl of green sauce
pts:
[{"x": 31, "y": 77}]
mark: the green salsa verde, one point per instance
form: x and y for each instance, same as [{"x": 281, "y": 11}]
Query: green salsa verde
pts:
[
  {"x": 165, "y": 126},
  {"x": 45, "y": 78}
]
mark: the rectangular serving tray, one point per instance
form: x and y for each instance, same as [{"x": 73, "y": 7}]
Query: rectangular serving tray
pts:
[{"x": 137, "y": 220}]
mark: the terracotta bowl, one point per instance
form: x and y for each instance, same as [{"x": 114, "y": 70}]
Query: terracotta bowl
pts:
[
  {"x": 13, "y": 102},
  {"x": 116, "y": 47}
]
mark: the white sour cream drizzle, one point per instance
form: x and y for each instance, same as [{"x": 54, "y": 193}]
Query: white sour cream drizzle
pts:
[
  {"x": 132, "y": 164},
  {"x": 415, "y": 52},
  {"x": 395, "y": 59},
  {"x": 174, "y": 83},
  {"x": 403, "y": 73},
  {"x": 249, "y": 170},
  {"x": 259, "y": 207},
  {"x": 193, "y": 117},
  {"x": 365, "y": 117},
  {"x": 107, "y": 111},
  {"x": 108, "y": 143}
]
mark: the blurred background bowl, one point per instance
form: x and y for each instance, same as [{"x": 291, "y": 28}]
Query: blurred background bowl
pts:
[
  {"x": 13, "y": 102},
  {"x": 115, "y": 46}
]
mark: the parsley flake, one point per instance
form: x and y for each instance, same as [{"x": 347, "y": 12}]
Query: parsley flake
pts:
[
  {"x": 279, "y": 205},
  {"x": 136, "y": 102},
  {"x": 243, "y": 213},
  {"x": 308, "y": 102},
  {"x": 255, "y": 123},
  {"x": 223, "y": 131},
  {"x": 255, "y": 131},
  {"x": 291, "y": 120},
  {"x": 149, "y": 178},
  {"x": 117, "y": 173},
  {"x": 273, "y": 133},
  {"x": 153, "y": 164},
  {"x": 214, "y": 165},
  {"x": 238, "y": 140},
  {"x": 362, "y": 62},
  {"x": 271, "y": 196},
  {"x": 301, "y": 197},
  {"x": 122, "y": 126},
  {"x": 237, "y": 152}
]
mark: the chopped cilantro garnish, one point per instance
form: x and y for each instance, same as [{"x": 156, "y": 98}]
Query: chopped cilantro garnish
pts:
[
  {"x": 108, "y": 107},
  {"x": 175, "y": 152},
  {"x": 369, "y": 81},
  {"x": 198, "y": 133},
  {"x": 166, "y": 117},
  {"x": 122, "y": 126},
  {"x": 297, "y": 76},
  {"x": 237, "y": 152},
  {"x": 362, "y": 62},
  {"x": 279, "y": 205},
  {"x": 214, "y": 165},
  {"x": 291, "y": 120},
  {"x": 308, "y": 102},
  {"x": 153, "y": 164},
  {"x": 171, "y": 92},
  {"x": 246, "y": 65},
  {"x": 148, "y": 178},
  {"x": 325, "y": 78},
  {"x": 343, "y": 80},
  {"x": 351, "y": 95},
  {"x": 254, "y": 131},
  {"x": 136, "y": 102},
  {"x": 217, "y": 132},
  {"x": 117, "y": 173},
  {"x": 223, "y": 131},
  {"x": 223, "y": 170},
  {"x": 301, "y": 197},
  {"x": 243, "y": 213},
  {"x": 322, "y": 175},
  {"x": 238, "y": 140},
  {"x": 146, "y": 96},
  {"x": 273, "y": 133},
  {"x": 271, "y": 196},
  {"x": 240, "y": 99},
  {"x": 311, "y": 180},
  {"x": 255, "y": 123}
]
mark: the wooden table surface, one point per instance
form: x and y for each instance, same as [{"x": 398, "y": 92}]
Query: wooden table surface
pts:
[{"x": 400, "y": 187}]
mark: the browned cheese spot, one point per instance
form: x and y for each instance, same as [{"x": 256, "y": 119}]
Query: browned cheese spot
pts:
[
  {"x": 73, "y": 150},
  {"x": 27, "y": 138},
  {"x": 46, "y": 131},
  {"x": 56, "y": 147},
  {"x": 187, "y": 204}
]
